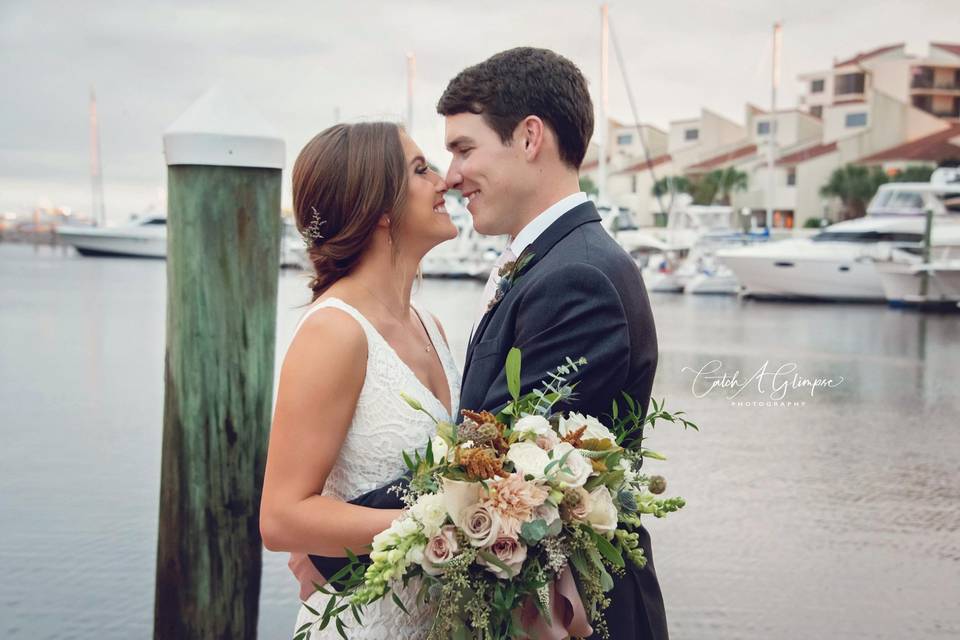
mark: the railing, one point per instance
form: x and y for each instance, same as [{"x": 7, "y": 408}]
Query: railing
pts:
[{"x": 919, "y": 83}]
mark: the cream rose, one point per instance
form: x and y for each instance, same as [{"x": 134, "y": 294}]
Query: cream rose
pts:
[
  {"x": 458, "y": 495},
  {"x": 603, "y": 513},
  {"x": 532, "y": 426},
  {"x": 574, "y": 470},
  {"x": 440, "y": 548},
  {"x": 510, "y": 552},
  {"x": 481, "y": 524},
  {"x": 595, "y": 429},
  {"x": 528, "y": 458}
]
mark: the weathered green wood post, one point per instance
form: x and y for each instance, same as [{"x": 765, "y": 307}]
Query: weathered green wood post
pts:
[{"x": 224, "y": 165}]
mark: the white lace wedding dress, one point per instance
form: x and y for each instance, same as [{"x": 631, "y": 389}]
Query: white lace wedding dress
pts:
[{"x": 383, "y": 426}]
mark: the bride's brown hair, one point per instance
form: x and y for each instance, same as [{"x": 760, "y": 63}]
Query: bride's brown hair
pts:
[{"x": 344, "y": 179}]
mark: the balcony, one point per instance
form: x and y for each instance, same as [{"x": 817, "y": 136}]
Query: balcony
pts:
[{"x": 928, "y": 80}]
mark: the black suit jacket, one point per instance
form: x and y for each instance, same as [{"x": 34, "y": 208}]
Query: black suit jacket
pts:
[{"x": 580, "y": 295}]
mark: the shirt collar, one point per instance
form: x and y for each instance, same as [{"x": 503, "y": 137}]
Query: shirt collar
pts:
[{"x": 543, "y": 221}]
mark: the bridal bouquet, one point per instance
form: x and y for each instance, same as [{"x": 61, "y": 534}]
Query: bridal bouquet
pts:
[{"x": 516, "y": 521}]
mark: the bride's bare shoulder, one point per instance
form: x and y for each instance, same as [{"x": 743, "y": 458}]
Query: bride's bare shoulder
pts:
[{"x": 331, "y": 330}]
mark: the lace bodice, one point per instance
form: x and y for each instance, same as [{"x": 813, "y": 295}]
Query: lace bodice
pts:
[{"x": 383, "y": 425}]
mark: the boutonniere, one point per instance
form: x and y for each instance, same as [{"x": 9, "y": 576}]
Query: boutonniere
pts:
[{"x": 509, "y": 273}]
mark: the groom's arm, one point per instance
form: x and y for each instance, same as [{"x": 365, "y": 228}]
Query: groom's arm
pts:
[{"x": 573, "y": 312}]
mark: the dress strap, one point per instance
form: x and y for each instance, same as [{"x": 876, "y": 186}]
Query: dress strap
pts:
[
  {"x": 430, "y": 324},
  {"x": 337, "y": 303}
]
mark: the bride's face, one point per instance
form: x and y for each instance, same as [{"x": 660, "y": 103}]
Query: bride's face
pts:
[{"x": 425, "y": 222}]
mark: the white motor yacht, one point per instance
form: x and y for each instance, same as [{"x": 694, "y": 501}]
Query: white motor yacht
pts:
[
  {"x": 469, "y": 255},
  {"x": 839, "y": 262},
  {"x": 293, "y": 250},
  {"x": 903, "y": 283},
  {"x": 144, "y": 237}
]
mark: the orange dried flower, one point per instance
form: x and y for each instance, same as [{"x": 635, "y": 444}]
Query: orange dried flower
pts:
[
  {"x": 481, "y": 464},
  {"x": 575, "y": 437}
]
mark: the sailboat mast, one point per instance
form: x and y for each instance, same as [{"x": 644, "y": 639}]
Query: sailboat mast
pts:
[
  {"x": 98, "y": 210},
  {"x": 604, "y": 98},
  {"x": 772, "y": 138},
  {"x": 411, "y": 72}
]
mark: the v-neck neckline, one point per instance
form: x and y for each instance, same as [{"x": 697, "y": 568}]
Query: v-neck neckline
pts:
[{"x": 423, "y": 385}]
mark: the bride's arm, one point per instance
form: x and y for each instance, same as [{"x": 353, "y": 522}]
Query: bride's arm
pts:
[{"x": 320, "y": 382}]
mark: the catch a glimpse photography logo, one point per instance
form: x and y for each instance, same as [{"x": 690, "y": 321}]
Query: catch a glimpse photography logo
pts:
[{"x": 780, "y": 386}]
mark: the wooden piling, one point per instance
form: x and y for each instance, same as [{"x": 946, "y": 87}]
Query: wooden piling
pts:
[{"x": 224, "y": 176}]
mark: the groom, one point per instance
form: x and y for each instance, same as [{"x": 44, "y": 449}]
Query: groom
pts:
[{"x": 518, "y": 126}]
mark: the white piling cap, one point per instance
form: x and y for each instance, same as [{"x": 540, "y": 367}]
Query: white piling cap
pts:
[{"x": 223, "y": 129}]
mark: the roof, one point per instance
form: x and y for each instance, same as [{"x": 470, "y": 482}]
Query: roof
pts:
[
  {"x": 809, "y": 153},
  {"x": 860, "y": 57},
  {"x": 644, "y": 165},
  {"x": 952, "y": 48},
  {"x": 937, "y": 147},
  {"x": 593, "y": 164},
  {"x": 719, "y": 160}
]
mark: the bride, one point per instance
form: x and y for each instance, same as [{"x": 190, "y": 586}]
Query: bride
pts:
[{"x": 370, "y": 208}]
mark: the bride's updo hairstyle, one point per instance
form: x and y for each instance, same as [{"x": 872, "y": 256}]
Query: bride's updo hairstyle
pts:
[{"x": 344, "y": 179}]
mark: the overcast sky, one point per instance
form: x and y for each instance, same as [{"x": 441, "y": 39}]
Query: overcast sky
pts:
[{"x": 300, "y": 63}]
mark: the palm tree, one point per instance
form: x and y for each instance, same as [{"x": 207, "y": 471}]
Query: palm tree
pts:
[
  {"x": 855, "y": 186},
  {"x": 661, "y": 187},
  {"x": 913, "y": 173},
  {"x": 717, "y": 186},
  {"x": 588, "y": 186}
]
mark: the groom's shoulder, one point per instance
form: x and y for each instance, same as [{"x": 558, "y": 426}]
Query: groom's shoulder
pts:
[{"x": 590, "y": 244}]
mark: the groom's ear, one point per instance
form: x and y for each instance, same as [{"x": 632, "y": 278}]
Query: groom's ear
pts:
[{"x": 531, "y": 131}]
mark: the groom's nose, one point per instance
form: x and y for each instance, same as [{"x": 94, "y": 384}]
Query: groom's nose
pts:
[{"x": 453, "y": 179}]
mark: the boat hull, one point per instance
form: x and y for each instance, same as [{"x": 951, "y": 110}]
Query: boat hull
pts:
[
  {"x": 89, "y": 242},
  {"x": 803, "y": 278},
  {"x": 902, "y": 283}
]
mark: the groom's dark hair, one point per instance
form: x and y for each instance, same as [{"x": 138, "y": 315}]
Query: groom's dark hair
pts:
[{"x": 521, "y": 82}]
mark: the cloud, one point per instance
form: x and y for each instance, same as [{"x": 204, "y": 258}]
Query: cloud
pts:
[{"x": 302, "y": 62}]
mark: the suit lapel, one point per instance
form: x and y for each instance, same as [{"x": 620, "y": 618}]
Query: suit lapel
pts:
[{"x": 579, "y": 215}]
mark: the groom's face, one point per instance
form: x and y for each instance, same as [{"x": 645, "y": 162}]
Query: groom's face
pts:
[{"x": 489, "y": 173}]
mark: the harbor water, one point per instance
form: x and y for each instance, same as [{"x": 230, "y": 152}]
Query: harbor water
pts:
[{"x": 823, "y": 489}]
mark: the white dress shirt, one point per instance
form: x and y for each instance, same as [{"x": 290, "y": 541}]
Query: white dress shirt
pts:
[{"x": 540, "y": 224}]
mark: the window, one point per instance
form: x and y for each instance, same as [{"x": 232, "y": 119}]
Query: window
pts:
[
  {"x": 763, "y": 128},
  {"x": 624, "y": 139},
  {"x": 791, "y": 177},
  {"x": 867, "y": 236},
  {"x": 855, "y": 120},
  {"x": 691, "y": 134},
  {"x": 848, "y": 83},
  {"x": 951, "y": 201},
  {"x": 817, "y": 111},
  {"x": 816, "y": 86}
]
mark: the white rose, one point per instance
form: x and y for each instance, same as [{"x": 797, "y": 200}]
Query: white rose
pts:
[
  {"x": 574, "y": 421},
  {"x": 574, "y": 470},
  {"x": 532, "y": 426},
  {"x": 603, "y": 513},
  {"x": 430, "y": 511},
  {"x": 458, "y": 495},
  {"x": 528, "y": 458},
  {"x": 440, "y": 448}
]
